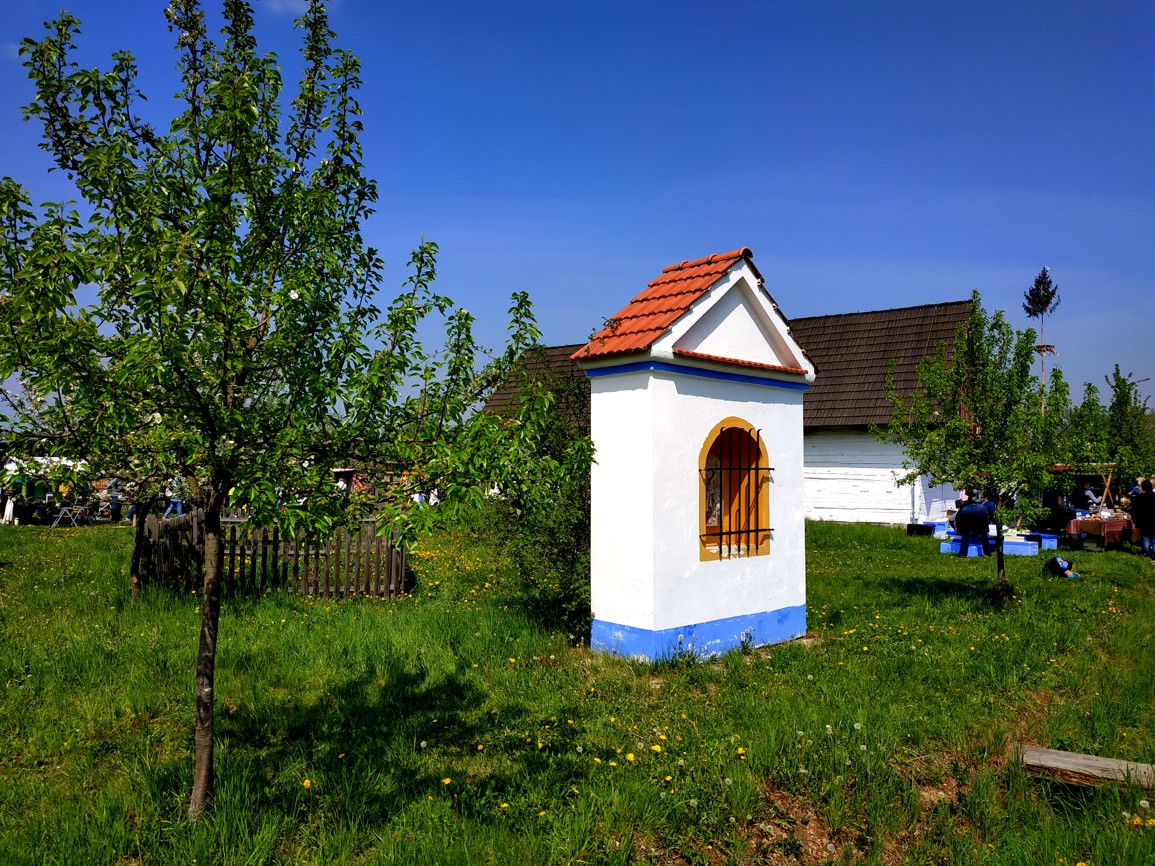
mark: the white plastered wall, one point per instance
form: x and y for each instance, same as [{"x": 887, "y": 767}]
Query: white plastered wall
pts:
[
  {"x": 621, "y": 488},
  {"x": 666, "y": 585}
]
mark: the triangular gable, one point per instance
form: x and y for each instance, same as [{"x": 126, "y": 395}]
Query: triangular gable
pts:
[{"x": 736, "y": 322}]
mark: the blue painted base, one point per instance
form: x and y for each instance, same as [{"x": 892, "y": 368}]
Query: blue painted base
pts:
[
  {"x": 703, "y": 639},
  {"x": 938, "y": 525}
]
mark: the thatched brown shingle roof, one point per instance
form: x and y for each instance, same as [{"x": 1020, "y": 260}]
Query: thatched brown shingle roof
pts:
[
  {"x": 852, "y": 352},
  {"x": 543, "y": 361}
]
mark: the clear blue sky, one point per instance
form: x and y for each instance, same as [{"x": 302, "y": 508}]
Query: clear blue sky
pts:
[{"x": 872, "y": 155}]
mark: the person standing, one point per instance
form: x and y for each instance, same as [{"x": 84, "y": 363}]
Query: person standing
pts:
[{"x": 1143, "y": 516}]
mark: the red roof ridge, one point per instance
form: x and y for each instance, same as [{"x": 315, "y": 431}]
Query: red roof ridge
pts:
[{"x": 742, "y": 253}]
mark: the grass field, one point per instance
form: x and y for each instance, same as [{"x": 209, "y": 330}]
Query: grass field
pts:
[{"x": 448, "y": 728}]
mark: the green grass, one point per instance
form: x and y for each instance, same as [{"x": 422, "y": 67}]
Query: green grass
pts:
[{"x": 883, "y": 738}]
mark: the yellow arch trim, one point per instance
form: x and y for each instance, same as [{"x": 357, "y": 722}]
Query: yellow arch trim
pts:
[{"x": 707, "y": 553}]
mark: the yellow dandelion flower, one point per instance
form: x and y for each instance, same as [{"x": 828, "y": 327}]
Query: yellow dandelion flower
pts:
[
  {"x": 655, "y": 748},
  {"x": 446, "y": 781},
  {"x": 504, "y": 806},
  {"x": 613, "y": 763},
  {"x": 630, "y": 756},
  {"x": 307, "y": 783},
  {"x": 597, "y": 760}
]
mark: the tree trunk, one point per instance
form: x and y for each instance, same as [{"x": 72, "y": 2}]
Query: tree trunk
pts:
[
  {"x": 202, "y": 791},
  {"x": 1000, "y": 561}
]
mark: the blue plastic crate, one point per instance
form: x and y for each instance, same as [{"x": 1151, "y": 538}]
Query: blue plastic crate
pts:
[
  {"x": 1017, "y": 547},
  {"x": 952, "y": 548},
  {"x": 1045, "y": 540}
]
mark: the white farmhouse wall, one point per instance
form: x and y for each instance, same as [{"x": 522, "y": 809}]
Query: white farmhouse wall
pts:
[{"x": 851, "y": 477}]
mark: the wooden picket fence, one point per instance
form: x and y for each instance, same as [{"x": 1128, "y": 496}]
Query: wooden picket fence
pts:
[{"x": 347, "y": 563}]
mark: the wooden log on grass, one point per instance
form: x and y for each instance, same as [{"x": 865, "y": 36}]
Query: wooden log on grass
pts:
[{"x": 1079, "y": 769}]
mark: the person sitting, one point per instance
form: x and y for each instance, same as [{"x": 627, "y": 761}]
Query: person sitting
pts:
[
  {"x": 174, "y": 504},
  {"x": 1087, "y": 500},
  {"x": 971, "y": 523}
]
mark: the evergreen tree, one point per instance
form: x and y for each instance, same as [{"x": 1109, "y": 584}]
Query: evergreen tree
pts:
[{"x": 1040, "y": 300}]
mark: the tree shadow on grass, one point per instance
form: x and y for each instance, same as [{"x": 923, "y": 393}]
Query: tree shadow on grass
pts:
[
  {"x": 377, "y": 743},
  {"x": 938, "y": 590}
]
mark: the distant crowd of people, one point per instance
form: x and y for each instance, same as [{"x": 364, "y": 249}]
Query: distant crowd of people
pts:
[{"x": 976, "y": 513}]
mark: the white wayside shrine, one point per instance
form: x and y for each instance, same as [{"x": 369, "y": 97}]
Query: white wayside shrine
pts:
[{"x": 698, "y": 534}]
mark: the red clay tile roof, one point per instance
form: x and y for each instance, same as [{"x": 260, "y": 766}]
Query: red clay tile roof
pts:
[{"x": 666, "y": 299}]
